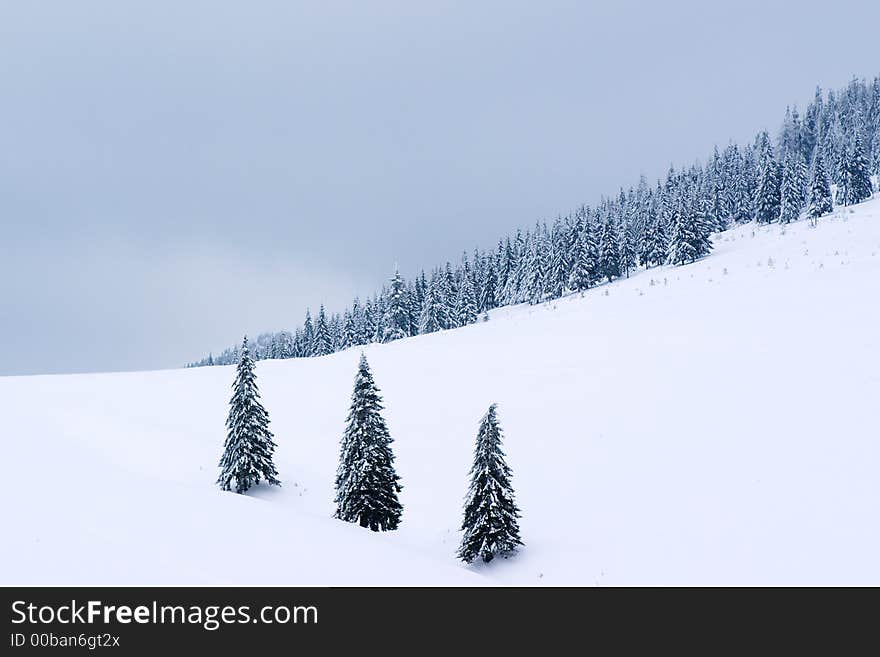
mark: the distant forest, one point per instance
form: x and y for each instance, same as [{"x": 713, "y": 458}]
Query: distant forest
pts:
[{"x": 834, "y": 146}]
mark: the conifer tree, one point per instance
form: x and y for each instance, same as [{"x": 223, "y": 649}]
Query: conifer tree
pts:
[
  {"x": 490, "y": 286},
  {"x": 379, "y": 308},
  {"x": 560, "y": 265},
  {"x": 792, "y": 188},
  {"x": 875, "y": 154},
  {"x": 465, "y": 304},
  {"x": 536, "y": 270},
  {"x": 490, "y": 522},
  {"x": 820, "y": 202},
  {"x": 657, "y": 244},
  {"x": 690, "y": 238},
  {"x": 858, "y": 172},
  {"x": 249, "y": 445},
  {"x": 504, "y": 266},
  {"x": 626, "y": 240},
  {"x": 609, "y": 255},
  {"x": 582, "y": 272},
  {"x": 767, "y": 192},
  {"x": 368, "y": 322},
  {"x": 397, "y": 320},
  {"x": 433, "y": 317},
  {"x": 308, "y": 335},
  {"x": 415, "y": 309},
  {"x": 366, "y": 483},
  {"x": 322, "y": 343}
]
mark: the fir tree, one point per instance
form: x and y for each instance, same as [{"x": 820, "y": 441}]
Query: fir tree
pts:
[
  {"x": 433, "y": 317},
  {"x": 820, "y": 190},
  {"x": 489, "y": 288},
  {"x": 657, "y": 243},
  {"x": 465, "y": 304},
  {"x": 397, "y": 320},
  {"x": 248, "y": 449},
  {"x": 366, "y": 483},
  {"x": 308, "y": 336},
  {"x": 767, "y": 192},
  {"x": 858, "y": 172},
  {"x": 559, "y": 261},
  {"x": 690, "y": 240},
  {"x": 609, "y": 254},
  {"x": 584, "y": 265},
  {"x": 875, "y": 153},
  {"x": 792, "y": 188},
  {"x": 368, "y": 322},
  {"x": 322, "y": 343},
  {"x": 627, "y": 248},
  {"x": 490, "y": 523},
  {"x": 536, "y": 272}
]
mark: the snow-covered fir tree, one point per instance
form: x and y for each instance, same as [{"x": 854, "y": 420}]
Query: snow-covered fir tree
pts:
[
  {"x": 308, "y": 336},
  {"x": 536, "y": 267},
  {"x": 489, "y": 289},
  {"x": 690, "y": 237},
  {"x": 609, "y": 253},
  {"x": 875, "y": 155},
  {"x": 627, "y": 250},
  {"x": 434, "y": 311},
  {"x": 465, "y": 304},
  {"x": 322, "y": 344},
  {"x": 767, "y": 192},
  {"x": 855, "y": 186},
  {"x": 490, "y": 522},
  {"x": 366, "y": 482},
  {"x": 819, "y": 202},
  {"x": 560, "y": 265},
  {"x": 793, "y": 187},
  {"x": 249, "y": 445},
  {"x": 584, "y": 265},
  {"x": 397, "y": 319}
]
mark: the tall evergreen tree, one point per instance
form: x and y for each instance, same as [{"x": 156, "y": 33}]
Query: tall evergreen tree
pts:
[
  {"x": 465, "y": 304},
  {"x": 366, "y": 483},
  {"x": 792, "y": 188},
  {"x": 490, "y": 522},
  {"x": 858, "y": 172},
  {"x": 249, "y": 445},
  {"x": 489, "y": 288},
  {"x": 368, "y": 322},
  {"x": 656, "y": 238},
  {"x": 434, "y": 311},
  {"x": 308, "y": 336},
  {"x": 628, "y": 256},
  {"x": 397, "y": 319},
  {"x": 559, "y": 267},
  {"x": 875, "y": 154},
  {"x": 584, "y": 264},
  {"x": 820, "y": 202},
  {"x": 690, "y": 238},
  {"x": 767, "y": 192},
  {"x": 322, "y": 343},
  {"x": 536, "y": 268},
  {"x": 609, "y": 254}
]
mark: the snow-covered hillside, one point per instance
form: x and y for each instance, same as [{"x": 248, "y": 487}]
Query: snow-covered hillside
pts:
[{"x": 713, "y": 423}]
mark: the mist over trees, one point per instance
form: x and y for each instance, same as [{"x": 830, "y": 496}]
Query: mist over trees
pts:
[{"x": 820, "y": 158}]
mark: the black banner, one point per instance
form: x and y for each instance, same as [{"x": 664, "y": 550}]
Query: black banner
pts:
[{"x": 123, "y": 621}]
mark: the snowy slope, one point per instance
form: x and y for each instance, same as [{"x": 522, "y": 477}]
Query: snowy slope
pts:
[{"x": 715, "y": 423}]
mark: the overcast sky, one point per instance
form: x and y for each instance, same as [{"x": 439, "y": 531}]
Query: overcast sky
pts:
[{"x": 174, "y": 174}]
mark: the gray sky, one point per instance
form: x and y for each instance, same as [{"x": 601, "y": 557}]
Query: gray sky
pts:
[{"x": 174, "y": 174}]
